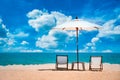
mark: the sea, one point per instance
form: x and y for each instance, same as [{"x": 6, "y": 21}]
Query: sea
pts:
[{"x": 48, "y": 58}]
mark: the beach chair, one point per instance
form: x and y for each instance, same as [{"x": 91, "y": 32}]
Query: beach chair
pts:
[
  {"x": 96, "y": 63},
  {"x": 61, "y": 62}
]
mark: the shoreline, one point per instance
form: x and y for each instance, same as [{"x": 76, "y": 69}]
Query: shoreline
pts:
[{"x": 106, "y": 67}]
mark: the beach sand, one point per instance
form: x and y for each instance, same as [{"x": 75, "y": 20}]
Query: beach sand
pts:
[{"x": 45, "y": 72}]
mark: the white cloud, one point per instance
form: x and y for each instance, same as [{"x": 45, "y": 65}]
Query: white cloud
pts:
[
  {"x": 5, "y": 40},
  {"x": 108, "y": 30},
  {"x": 95, "y": 39},
  {"x": 20, "y": 34},
  {"x": 35, "y": 13},
  {"x": 46, "y": 41},
  {"x": 65, "y": 51},
  {"x": 3, "y": 26},
  {"x": 24, "y": 43},
  {"x": 89, "y": 44},
  {"x": 53, "y": 39},
  {"x": 47, "y": 21},
  {"x": 39, "y": 19},
  {"x": 11, "y": 42},
  {"x": 42, "y": 19},
  {"x": 93, "y": 48},
  {"x": 60, "y": 18},
  {"x": 107, "y": 51},
  {"x": 31, "y": 51},
  {"x": 3, "y": 30}
]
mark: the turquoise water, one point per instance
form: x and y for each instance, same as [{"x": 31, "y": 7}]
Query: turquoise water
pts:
[{"x": 44, "y": 58}]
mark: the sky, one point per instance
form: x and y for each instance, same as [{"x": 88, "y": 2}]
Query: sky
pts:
[{"x": 27, "y": 25}]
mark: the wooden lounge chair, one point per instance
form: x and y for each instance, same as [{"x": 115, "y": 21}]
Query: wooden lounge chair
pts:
[
  {"x": 96, "y": 63},
  {"x": 61, "y": 62}
]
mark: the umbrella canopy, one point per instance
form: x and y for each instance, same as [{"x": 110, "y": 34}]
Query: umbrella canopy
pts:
[{"x": 78, "y": 24}]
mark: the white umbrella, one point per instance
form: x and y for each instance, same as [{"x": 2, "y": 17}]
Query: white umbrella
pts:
[{"x": 78, "y": 24}]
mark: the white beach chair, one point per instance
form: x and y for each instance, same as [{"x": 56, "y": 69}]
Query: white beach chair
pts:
[
  {"x": 62, "y": 62},
  {"x": 96, "y": 63}
]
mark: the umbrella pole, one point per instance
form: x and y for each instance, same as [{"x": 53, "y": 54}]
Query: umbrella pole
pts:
[{"x": 77, "y": 48}]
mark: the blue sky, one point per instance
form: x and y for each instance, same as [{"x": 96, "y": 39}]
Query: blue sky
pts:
[{"x": 26, "y": 25}]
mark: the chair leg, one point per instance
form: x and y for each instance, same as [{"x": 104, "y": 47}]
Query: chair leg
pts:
[
  {"x": 90, "y": 67},
  {"x": 67, "y": 66},
  {"x": 56, "y": 66},
  {"x": 83, "y": 65},
  {"x": 72, "y": 66}
]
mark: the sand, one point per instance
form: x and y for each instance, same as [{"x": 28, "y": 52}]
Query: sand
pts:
[{"x": 45, "y": 72}]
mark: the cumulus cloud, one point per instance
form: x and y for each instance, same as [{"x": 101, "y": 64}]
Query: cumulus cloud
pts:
[
  {"x": 7, "y": 39},
  {"x": 47, "y": 21},
  {"x": 34, "y": 14},
  {"x": 31, "y": 51},
  {"x": 95, "y": 39},
  {"x": 20, "y": 34},
  {"x": 107, "y": 51},
  {"x": 3, "y": 41},
  {"x": 65, "y": 51},
  {"x": 109, "y": 30},
  {"x": 11, "y": 42},
  {"x": 42, "y": 19},
  {"x": 3, "y": 30},
  {"x": 39, "y": 19},
  {"x": 46, "y": 41},
  {"x": 4, "y": 36},
  {"x": 24, "y": 43},
  {"x": 54, "y": 39},
  {"x": 60, "y": 18}
]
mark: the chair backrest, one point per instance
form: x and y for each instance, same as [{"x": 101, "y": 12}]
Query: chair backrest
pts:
[
  {"x": 62, "y": 59},
  {"x": 96, "y": 63},
  {"x": 62, "y": 62}
]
